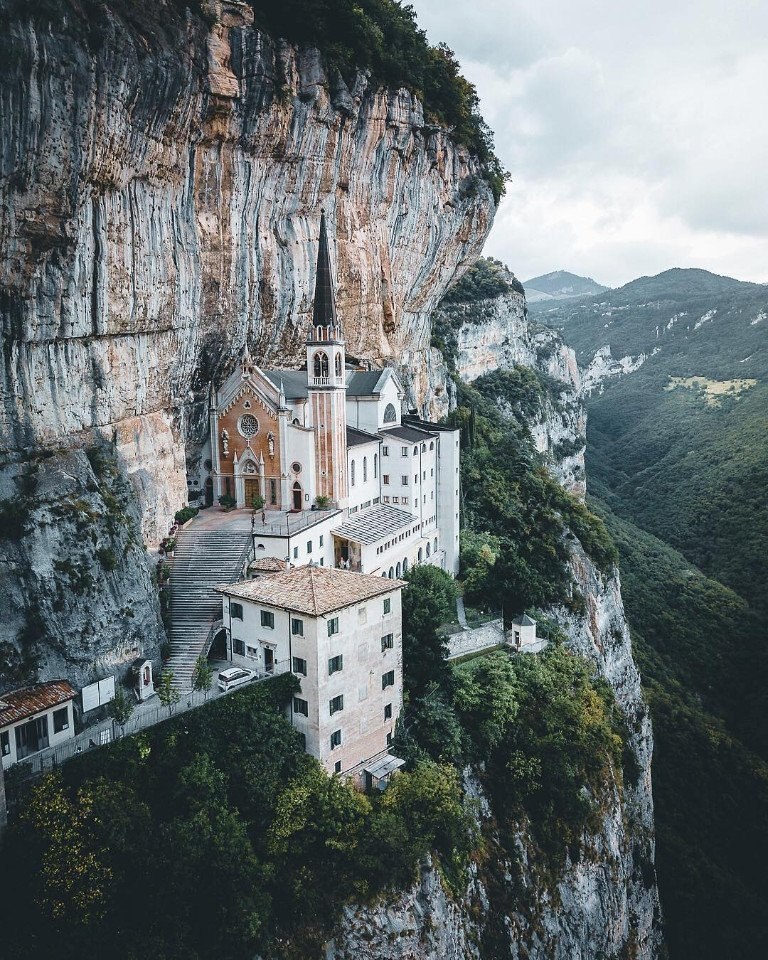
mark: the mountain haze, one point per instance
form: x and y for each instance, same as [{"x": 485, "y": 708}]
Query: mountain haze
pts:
[{"x": 559, "y": 285}]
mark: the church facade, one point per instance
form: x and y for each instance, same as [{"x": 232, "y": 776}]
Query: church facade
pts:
[{"x": 338, "y": 476}]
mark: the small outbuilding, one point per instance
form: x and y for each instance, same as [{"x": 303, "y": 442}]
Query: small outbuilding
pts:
[
  {"x": 144, "y": 684},
  {"x": 522, "y": 632},
  {"x": 33, "y": 718}
]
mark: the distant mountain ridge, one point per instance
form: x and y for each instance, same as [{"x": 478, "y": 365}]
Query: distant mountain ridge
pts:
[{"x": 560, "y": 285}]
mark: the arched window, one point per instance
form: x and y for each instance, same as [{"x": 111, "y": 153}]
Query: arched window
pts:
[
  {"x": 397, "y": 570},
  {"x": 338, "y": 365},
  {"x": 391, "y": 573},
  {"x": 321, "y": 364},
  {"x": 429, "y": 549},
  {"x": 390, "y": 414},
  {"x": 352, "y": 473},
  {"x": 431, "y": 444},
  {"x": 421, "y": 555},
  {"x": 365, "y": 469},
  {"x": 415, "y": 451},
  {"x": 423, "y": 448},
  {"x": 435, "y": 543},
  {"x": 405, "y": 565}
]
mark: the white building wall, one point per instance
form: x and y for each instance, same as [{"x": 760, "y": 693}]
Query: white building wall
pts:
[
  {"x": 448, "y": 497},
  {"x": 365, "y": 491}
]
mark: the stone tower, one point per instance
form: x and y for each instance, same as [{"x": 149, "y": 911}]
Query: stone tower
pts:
[{"x": 326, "y": 382}]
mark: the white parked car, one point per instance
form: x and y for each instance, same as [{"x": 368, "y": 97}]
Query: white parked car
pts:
[{"x": 233, "y": 677}]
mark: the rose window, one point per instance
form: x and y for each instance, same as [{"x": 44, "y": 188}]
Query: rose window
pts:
[{"x": 249, "y": 425}]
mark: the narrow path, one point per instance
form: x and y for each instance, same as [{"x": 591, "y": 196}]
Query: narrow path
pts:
[{"x": 461, "y": 613}]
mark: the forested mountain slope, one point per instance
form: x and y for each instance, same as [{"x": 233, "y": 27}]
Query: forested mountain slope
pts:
[
  {"x": 694, "y": 641},
  {"x": 679, "y": 434}
]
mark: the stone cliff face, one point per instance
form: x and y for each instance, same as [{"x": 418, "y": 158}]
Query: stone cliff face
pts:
[
  {"x": 162, "y": 172},
  {"x": 496, "y": 334}
]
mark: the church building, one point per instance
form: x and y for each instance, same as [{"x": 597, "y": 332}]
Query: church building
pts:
[{"x": 345, "y": 480}]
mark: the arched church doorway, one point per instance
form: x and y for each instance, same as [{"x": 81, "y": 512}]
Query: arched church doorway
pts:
[{"x": 297, "y": 496}]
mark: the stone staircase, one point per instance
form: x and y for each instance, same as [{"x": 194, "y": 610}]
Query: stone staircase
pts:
[{"x": 203, "y": 559}]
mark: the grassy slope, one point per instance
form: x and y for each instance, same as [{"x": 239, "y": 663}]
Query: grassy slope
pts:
[{"x": 710, "y": 788}]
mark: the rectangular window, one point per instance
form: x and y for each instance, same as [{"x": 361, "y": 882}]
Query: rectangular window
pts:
[
  {"x": 385, "y": 451},
  {"x": 362, "y": 615},
  {"x": 335, "y": 739},
  {"x": 297, "y": 627},
  {"x": 31, "y": 737},
  {"x": 336, "y": 704},
  {"x": 425, "y": 474},
  {"x": 387, "y": 642},
  {"x": 300, "y": 706},
  {"x": 309, "y": 546},
  {"x": 333, "y": 626},
  {"x": 303, "y": 740},
  {"x": 404, "y": 500},
  {"x": 335, "y": 664},
  {"x": 388, "y": 605},
  {"x": 273, "y": 492},
  {"x": 236, "y": 610},
  {"x": 322, "y": 540},
  {"x": 251, "y": 652},
  {"x": 5, "y": 743},
  {"x": 337, "y": 767},
  {"x": 60, "y": 720},
  {"x": 388, "y": 679},
  {"x": 388, "y": 712},
  {"x": 416, "y": 478},
  {"x": 403, "y": 451},
  {"x": 385, "y": 479},
  {"x": 395, "y": 499},
  {"x": 385, "y": 499},
  {"x": 404, "y": 480},
  {"x": 300, "y": 666},
  {"x": 268, "y": 619},
  {"x": 295, "y": 553},
  {"x": 238, "y": 647}
]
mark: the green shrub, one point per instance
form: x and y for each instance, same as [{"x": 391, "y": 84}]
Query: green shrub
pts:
[
  {"x": 15, "y": 519},
  {"x": 187, "y": 513},
  {"x": 107, "y": 558}
]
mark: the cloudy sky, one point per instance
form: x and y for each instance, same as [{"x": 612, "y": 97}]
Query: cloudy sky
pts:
[{"x": 636, "y": 133}]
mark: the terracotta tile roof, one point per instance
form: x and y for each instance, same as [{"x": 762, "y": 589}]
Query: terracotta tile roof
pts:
[
  {"x": 267, "y": 565},
  {"x": 312, "y": 590},
  {"x": 20, "y": 704}
]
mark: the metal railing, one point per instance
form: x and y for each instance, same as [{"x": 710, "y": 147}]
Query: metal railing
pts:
[{"x": 291, "y": 523}]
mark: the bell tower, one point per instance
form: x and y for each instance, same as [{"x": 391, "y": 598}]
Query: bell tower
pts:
[{"x": 327, "y": 382}]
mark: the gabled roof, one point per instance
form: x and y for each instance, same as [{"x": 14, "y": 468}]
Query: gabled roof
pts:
[
  {"x": 19, "y": 704},
  {"x": 315, "y": 591},
  {"x": 356, "y": 438},
  {"x": 294, "y": 382},
  {"x": 376, "y": 524},
  {"x": 524, "y": 621},
  {"x": 324, "y": 309},
  {"x": 370, "y": 383}
]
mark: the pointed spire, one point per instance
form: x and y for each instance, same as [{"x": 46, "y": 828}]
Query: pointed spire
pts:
[{"x": 324, "y": 312}]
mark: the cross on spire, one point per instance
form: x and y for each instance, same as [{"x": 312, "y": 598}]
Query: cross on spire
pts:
[{"x": 324, "y": 310}]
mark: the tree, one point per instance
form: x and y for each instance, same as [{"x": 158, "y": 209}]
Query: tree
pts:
[
  {"x": 428, "y": 600},
  {"x": 202, "y": 676},
  {"x": 168, "y": 695},
  {"x": 120, "y": 708}
]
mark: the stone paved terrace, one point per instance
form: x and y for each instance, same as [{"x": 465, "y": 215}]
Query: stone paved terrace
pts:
[{"x": 279, "y": 523}]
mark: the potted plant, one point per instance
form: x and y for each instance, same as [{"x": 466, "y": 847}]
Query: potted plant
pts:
[{"x": 227, "y": 502}]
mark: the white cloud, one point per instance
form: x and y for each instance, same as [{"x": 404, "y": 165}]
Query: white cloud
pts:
[{"x": 636, "y": 135}]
